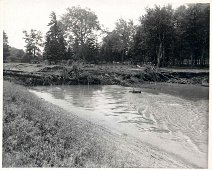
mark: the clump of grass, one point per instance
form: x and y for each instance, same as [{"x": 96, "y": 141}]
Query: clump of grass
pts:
[{"x": 38, "y": 134}]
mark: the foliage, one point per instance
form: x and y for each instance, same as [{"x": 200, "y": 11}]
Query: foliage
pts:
[
  {"x": 16, "y": 55},
  {"x": 54, "y": 49},
  {"x": 125, "y": 32},
  {"x": 117, "y": 44},
  {"x": 158, "y": 32},
  {"x": 6, "y": 52},
  {"x": 108, "y": 52},
  {"x": 164, "y": 37},
  {"x": 80, "y": 26},
  {"x": 33, "y": 41},
  {"x": 197, "y": 32},
  {"x": 91, "y": 50}
]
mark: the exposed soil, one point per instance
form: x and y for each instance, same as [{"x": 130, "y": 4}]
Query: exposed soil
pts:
[
  {"x": 126, "y": 75},
  {"x": 121, "y": 150}
]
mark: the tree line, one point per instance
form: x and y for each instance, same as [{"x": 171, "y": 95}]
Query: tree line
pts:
[{"x": 163, "y": 37}]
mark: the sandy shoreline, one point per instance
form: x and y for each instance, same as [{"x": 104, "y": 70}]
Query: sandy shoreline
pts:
[
  {"x": 104, "y": 147},
  {"x": 143, "y": 155},
  {"x": 143, "y": 151}
]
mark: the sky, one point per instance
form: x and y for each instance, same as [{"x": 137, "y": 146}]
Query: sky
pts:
[{"x": 19, "y": 15}]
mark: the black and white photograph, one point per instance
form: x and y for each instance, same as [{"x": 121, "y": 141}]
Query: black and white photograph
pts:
[{"x": 105, "y": 84}]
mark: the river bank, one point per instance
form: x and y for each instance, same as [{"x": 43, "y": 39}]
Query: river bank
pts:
[
  {"x": 176, "y": 123},
  {"x": 125, "y": 75},
  {"x": 39, "y": 134}
]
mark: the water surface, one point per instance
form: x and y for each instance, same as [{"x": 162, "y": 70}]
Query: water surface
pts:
[{"x": 171, "y": 118}]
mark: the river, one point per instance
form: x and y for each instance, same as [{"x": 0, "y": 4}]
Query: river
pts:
[{"x": 171, "y": 118}]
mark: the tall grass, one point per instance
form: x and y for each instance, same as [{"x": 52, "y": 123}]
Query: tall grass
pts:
[{"x": 38, "y": 134}]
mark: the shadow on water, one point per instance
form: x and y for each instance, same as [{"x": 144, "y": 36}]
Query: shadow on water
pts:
[{"x": 190, "y": 92}]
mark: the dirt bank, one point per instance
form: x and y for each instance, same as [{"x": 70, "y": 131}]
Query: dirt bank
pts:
[
  {"x": 38, "y": 74},
  {"x": 38, "y": 134}
]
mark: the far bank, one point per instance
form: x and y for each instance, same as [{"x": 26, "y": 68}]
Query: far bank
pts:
[{"x": 108, "y": 74}]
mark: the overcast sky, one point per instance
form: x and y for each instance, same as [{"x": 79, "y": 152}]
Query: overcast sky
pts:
[{"x": 19, "y": 15}]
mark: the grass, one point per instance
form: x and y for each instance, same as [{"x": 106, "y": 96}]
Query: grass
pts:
[{"x": 38, "y": 134}]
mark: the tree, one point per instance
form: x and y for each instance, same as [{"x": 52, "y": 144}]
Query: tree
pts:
[
  {"x": 55, "y": 48},
  {"x": 158, "y": 28},
  {"x": 140, "y": 47},
  {"x": 192, "y": 34},
  {"x": 80, "y": 25},
  {"x": 197, "y": 31},
  {"x": 125, "y": 33},
  {"x": 109, "y": 50},
  {"x": 91, "y": 49},
  {"x": 33, "y": 43},
  {"x": 6, "y": 52},
  {"x": 182, "y": 50},
  {"x": 16, "y": 55},
  {"x": 118, "y": 43}
]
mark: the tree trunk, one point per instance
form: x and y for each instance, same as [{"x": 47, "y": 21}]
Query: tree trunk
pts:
[
  {"x": 180, "y": 62},
  {"x": 33, "y": 53},
  {"x": 191, "y": 60},
  {"x": 195, "y": 60},
  {"x": 159, "y": 55},
  {"x": 163, "y": 56},
  {"x": 82, "y": 50},
  {"x": 202, "y": 57},
  {"x": 122, "y": 57}
]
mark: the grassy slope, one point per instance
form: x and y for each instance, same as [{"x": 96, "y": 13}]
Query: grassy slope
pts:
[{"x": 38, "y": 134}]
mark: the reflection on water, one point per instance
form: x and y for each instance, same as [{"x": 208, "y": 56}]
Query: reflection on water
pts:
[{"x": 150, "y": 112}]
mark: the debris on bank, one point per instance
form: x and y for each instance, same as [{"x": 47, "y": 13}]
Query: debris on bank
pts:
[{"x": 37, "y": 74}]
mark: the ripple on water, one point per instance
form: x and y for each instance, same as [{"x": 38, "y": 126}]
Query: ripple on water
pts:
[{"x": 172, "y": 119}]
